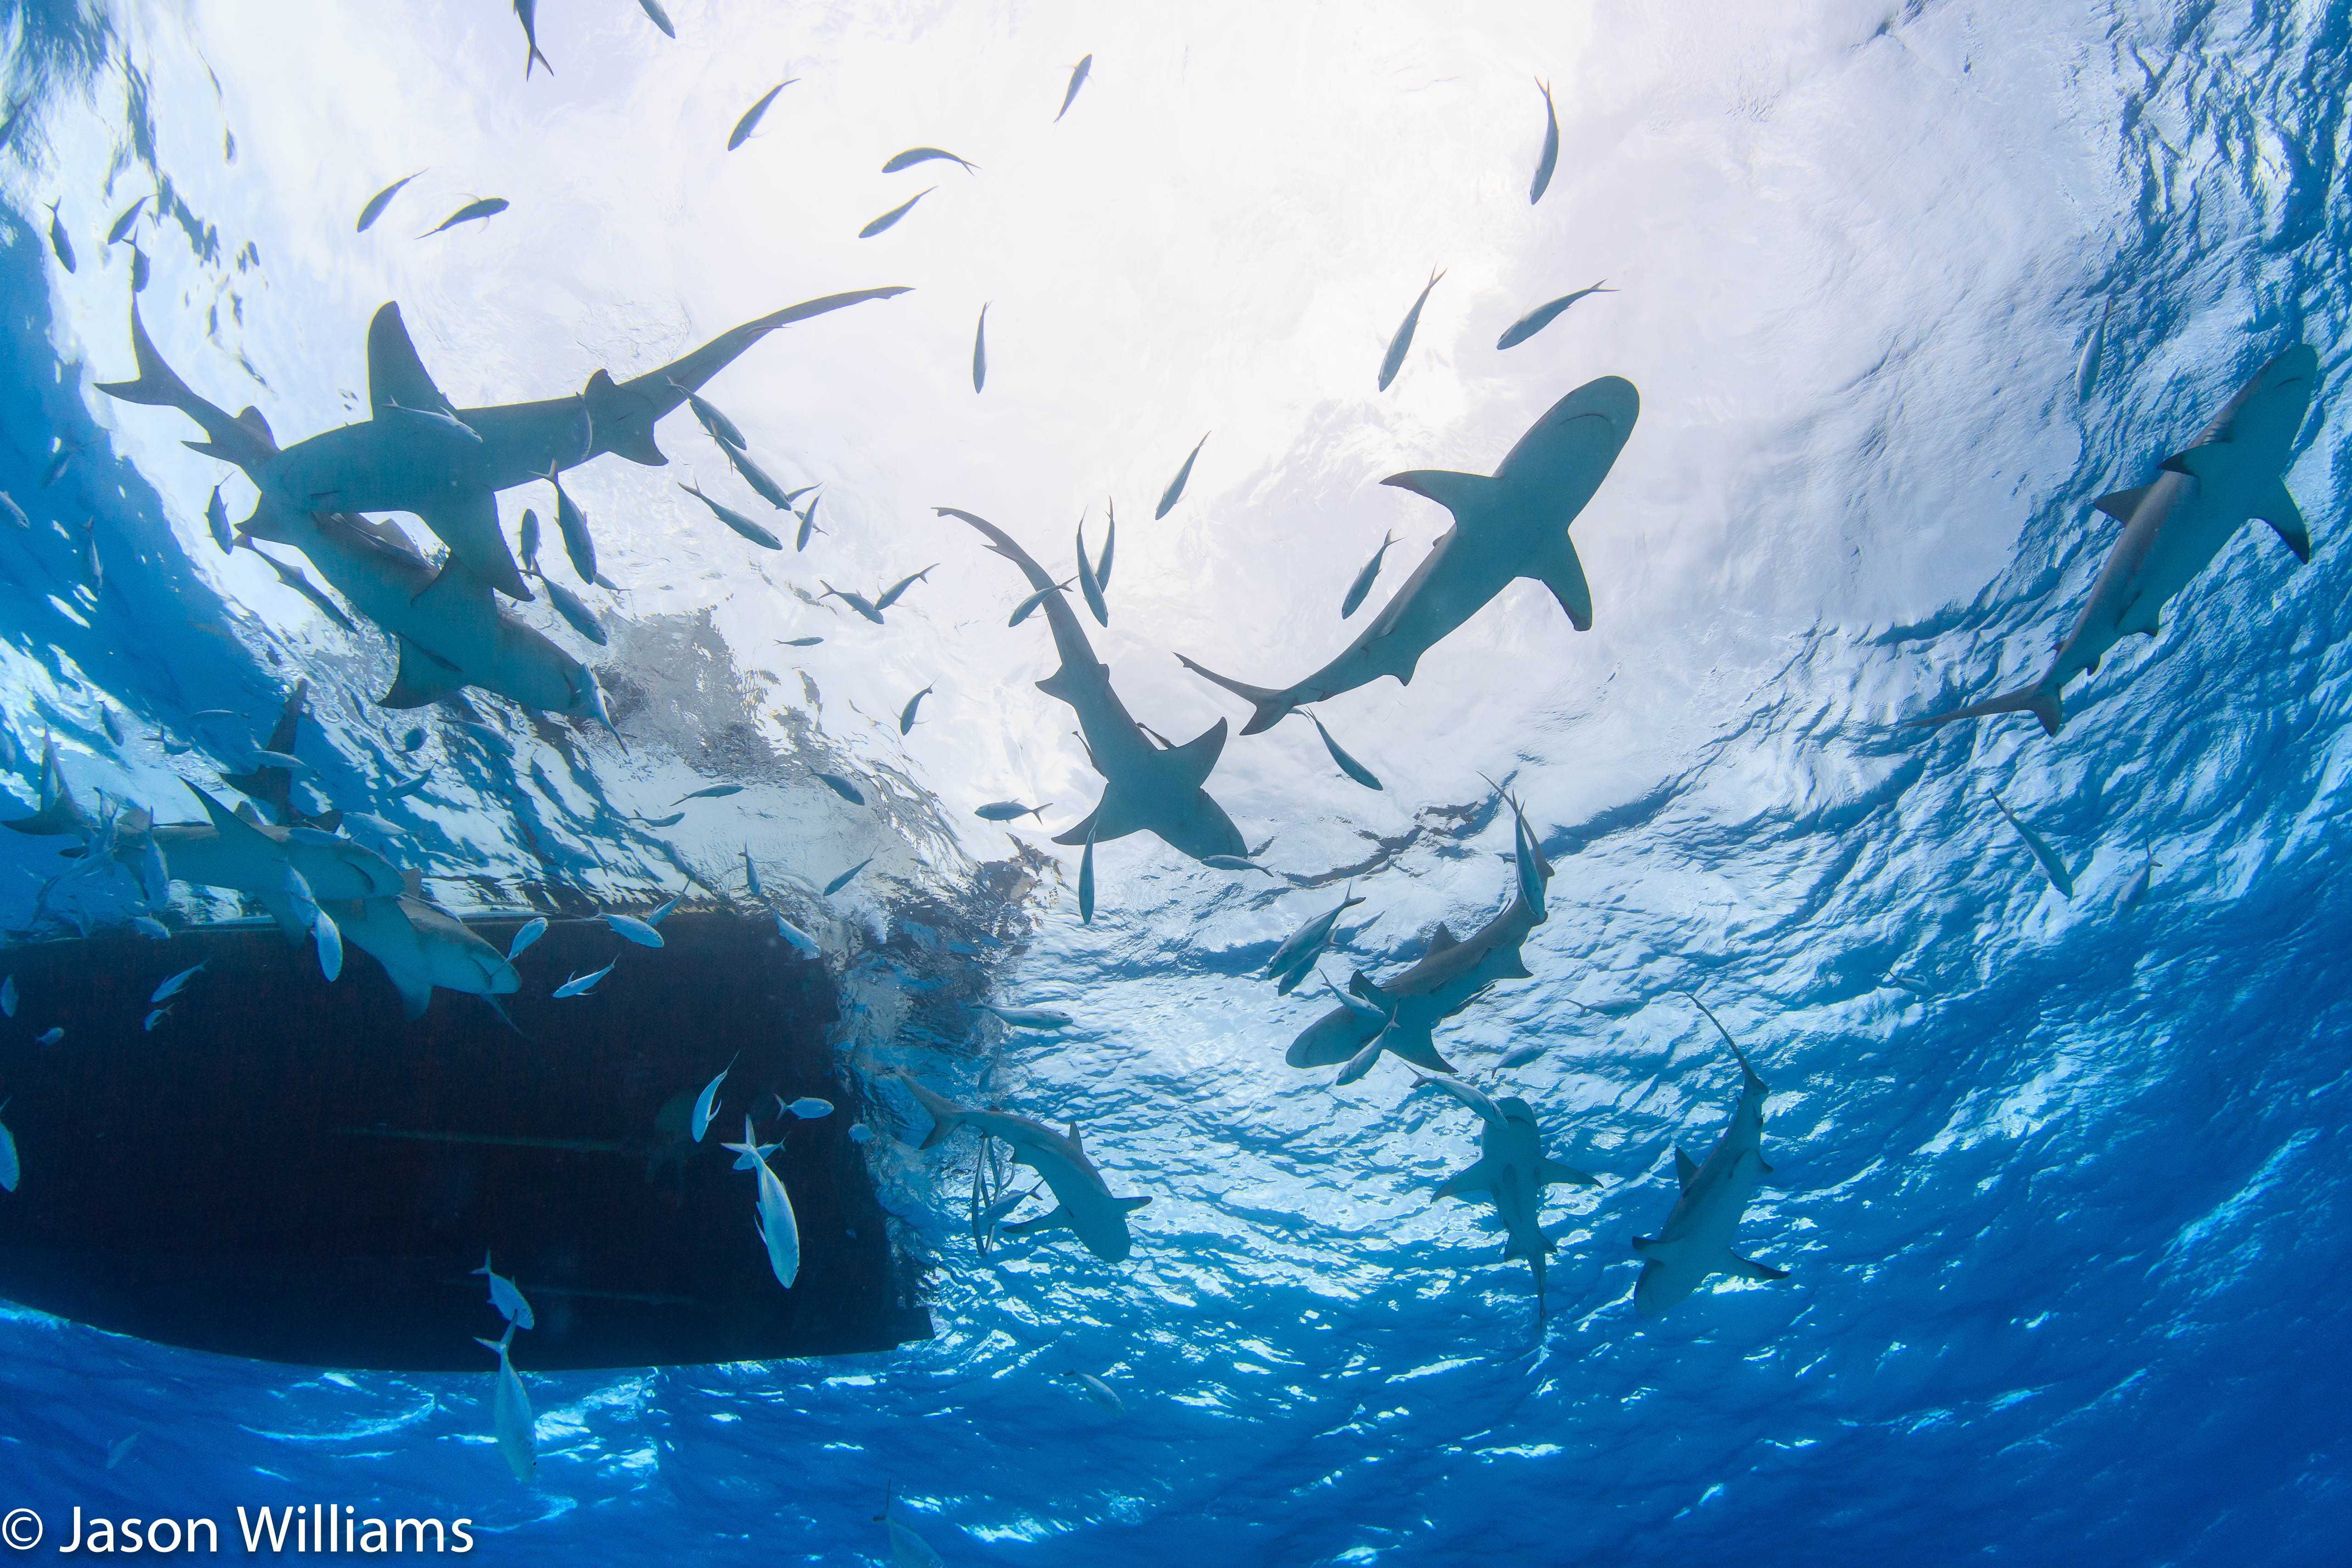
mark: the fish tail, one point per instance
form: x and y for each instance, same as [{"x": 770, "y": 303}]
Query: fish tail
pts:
[
  {"x": 1271, "y": 707},
  {"x": 2041, "y": 699}
]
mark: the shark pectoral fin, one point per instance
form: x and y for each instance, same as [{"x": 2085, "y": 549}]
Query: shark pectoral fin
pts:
[
  {"x": 2140, "y": 615},
  {"x": 1415, "y": 1045},
  {"x": 1686, "y": 1169},
  {"x": 619, "y": 423},
  {"x": 1084, "y": 830},
  {"x": 2121, "y": 503},
  {"x": 467, "y": 522},
  {"x": 416, "y": 994},
  {"x": 395, "y": 374},
  {"x": 1748, "y": 1269},
  {"x": 282, "y": 909},
  {"x": 1053, "y": 1218},
  {"x": 1550, "y": 1171},
  {"x": 1131, "y": 1203},
  {"x": 1479, "y": 1177},
  {"x": 1564, "y": 575},
  {"x": 1192, "y": 762},
  {"x": 424, "y": 678},
  {"x": 2279, "y": 510},
  {"x": 1650, "y": 1246}
]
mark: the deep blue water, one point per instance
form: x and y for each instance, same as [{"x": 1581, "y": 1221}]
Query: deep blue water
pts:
[{"x": 2057, "y": 1181}]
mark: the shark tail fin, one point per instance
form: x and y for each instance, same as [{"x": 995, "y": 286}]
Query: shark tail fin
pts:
[
  {"x": 1271, "y": 705},
  {"x": 2039, "y": 699},
  {"x": 160, "y": 386}
]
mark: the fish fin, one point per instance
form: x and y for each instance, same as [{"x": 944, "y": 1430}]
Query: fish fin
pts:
[
  {"x": 416, "y": 994},
  {"x": 1442, "y": 939},
  {"x": 2193, "y": 460},
  {"x": 158, "y": 385},
  {"x": 1686, "y": 1169},
  {"x": 2036, "y": 699},
  {"x": 1197, "y": 757},
  {"x": 2142, "y": 615},
  {"x": 1084, "y": 830},
  {"x": 473, "y": 515},
  {"x": 1479, "y": 1177},
  {"x": 424, "y": 677},
  {"x": 1058, "y": 686},
  {"x": 1564, "y": 575},
  {"x": 1130, "y": 1203},
  {"x": 1516, "y": 970},
  {"x": 234, "y": 830},
  {"x": 1464, "y": 495},
  {"x": 2279, "y": 510},
  {"x": 1748, "y": 1269},
  {"x": 621, "y": 421},
  {"x": 1075, "y": 1142},
  {"x": 2121, "y": 503},
  {"x": 1271, "y": 705},
  {"x": 1550, "y": 1171},
  {"x": 1653, "y": 1246},
  {"x": 395, "y": 373},
  {"x": 1415, "y": 1045},
  {"x": 1050, "y": 1220}
]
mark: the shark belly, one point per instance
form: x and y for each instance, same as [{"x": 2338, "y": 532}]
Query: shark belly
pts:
[{"x": 1696, "y": 1240}]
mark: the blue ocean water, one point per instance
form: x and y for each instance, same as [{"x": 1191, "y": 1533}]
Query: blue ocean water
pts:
[{"x": 2051, "y": 1176}]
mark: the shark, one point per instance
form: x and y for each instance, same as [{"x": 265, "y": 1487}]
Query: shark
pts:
[
  {"x": 1511, "y": 1172},
  {"x": 2234, "y": 470},
  {"x": 60, "y": 815},
  {"x": 1509, "y": 525},
  {"x": 447, "y": 626},
  {"x": 1448, "y": 978},
  {"x": 422, "y": 947},
  {"x": 1696, "y": 1240},
  {"x": 1148, "y": 788},
  {"x": 1083, "y": 1201},
  {"x": 251, "y": 857},
  {"x": 420, "y": 453}
]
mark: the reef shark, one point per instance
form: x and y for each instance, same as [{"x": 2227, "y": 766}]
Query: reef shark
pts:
[
  {"x": 422, "y": 455},
  {"x": 2175, "y": 525},
  {"x": 447, "y": 627},
  {"x": 252, "y": 858},
  {"x": 1149, "y": 787},
  {"x": 421, "y": 947},
  {"x": 1512, "y": 525},
  {"x": 1083, "y": 1201},
  {"x": 1512, "y": 1172},
  {"x": 1696, "y": 1240},
  {"x": 1448, "y": 978}
]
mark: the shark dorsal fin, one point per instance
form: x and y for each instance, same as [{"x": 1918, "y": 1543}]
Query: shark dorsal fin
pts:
[
  {"x": 411, "y": 885},
  {"x": 1442, "y": 940},
  {"x": 395, "y": 375},
  {"x": 423, "y": 678},
  {"x": 233, "y": 829},
  {"x": 1686, "y": 1169},
  {"x": 1462, "y": 494},
  {"x": 1077, "y": 1145},
  {"x": 2121, "y": 503}
]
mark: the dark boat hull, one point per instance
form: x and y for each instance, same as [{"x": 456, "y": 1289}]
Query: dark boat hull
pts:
[{"x": 285, "y": 1169}]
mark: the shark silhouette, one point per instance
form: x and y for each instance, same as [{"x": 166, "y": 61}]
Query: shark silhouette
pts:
[
  {"x": 1511, "y": 1172},
  {"x": 1083, "y": 1201},
  {"x": 2175, "y": 524},
  {"x": 1149, "y": 788},
  {"x": 421, "y": 947},
  {"x": 447, "y": 628},
  {"x": 1511, "y": 525},
  {"x": 1448, "y": 978},
  {"x": 1695, "y": 1240}
]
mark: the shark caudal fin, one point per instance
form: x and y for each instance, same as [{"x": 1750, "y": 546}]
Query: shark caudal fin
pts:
[
  {"x": 247, "y": 444},
  {"x": 2037, "y": 699},
  {"x": 1271, "y": 705}
]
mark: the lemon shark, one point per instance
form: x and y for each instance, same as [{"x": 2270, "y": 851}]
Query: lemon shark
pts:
[
  {"x": 1149, "y": 787},
  {"x": 1511, "y": 1172},
  {"x": 420, "y": 453},
  {"x": 1447, "y": 978},
  {"x": 1510, "y": 525},
  {"x": 2232, "y": 471},
  {"x": 1696, "y": 1240},
  {"x": 447, "y": 626},
  {"x": 1083, "y": 1201},
  {"x": 252, "y": 858}
]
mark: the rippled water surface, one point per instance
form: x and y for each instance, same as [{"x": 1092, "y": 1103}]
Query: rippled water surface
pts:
[{"x": 2057, "y": 1181}]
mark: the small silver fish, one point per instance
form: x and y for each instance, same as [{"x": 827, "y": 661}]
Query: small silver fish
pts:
[
  {"x": 890, "y": 218},
  {"x": 11, "y": 1172},
  {"x": 1347, "y": 765},
  {"x": 635, "y": 930},
  {"x": 1022, "y": 612},
  {"x": 1098, "y": 1391},
  {"x": 662, "y": 913},
  {"x": 1077, "y": 80},
  {"x": 172, "y": 986},
  {"x": 1175, "y": 491},
  {"x": 808, "y": 1107},
  {"x": 119, "y": 1450},
  {"x": 1233, "y": 862},
  {"x": 489, "y": 206},
  {"x": 750, "y": 874},
  {"x": 8, "y": 996},
  {"x": 1006, "y": 810},
  {"x": 147, "y": 925},
  {"x": 1029, "y": 1018},
  {"x": 1364, "y": 578},
  {"x": 50, "y": 1037},
  {"x": 518, "y": 1432},
  {"x": 154, "y": 1018},
  {"x": 705, "y": 1103},
  {"x": 859, "y": 1133},
  {"x": 906, "y": 714},
  {"x": 581, "y": 985},
  {"x": 710, "y": 792},
  {"x": 797, "y": 938},
  {"x": 505, "y": 1296},
  {"x": 530, "y": 933},
  {"x": 801, "y": 642},
  {"x": 380, "y": 200},
  {"x": 1400, "y": 345},
  {"x": 123, "y": 225},
  {"x": 15, "y": 513},
  {"x": 842, "y": 787},
  {"x": 216, "y": 519},
  {"x": 914, "y": 155},
  {"x": 837, "y": 884},
  {"x": 980, "y": 351},
  {"x": 751, "y": 121}
]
